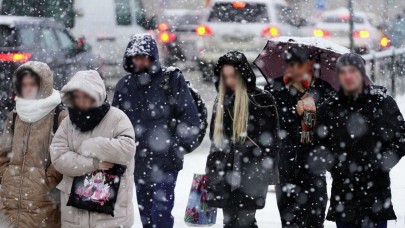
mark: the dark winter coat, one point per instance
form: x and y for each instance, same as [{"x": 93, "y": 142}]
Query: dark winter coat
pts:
[
  {"x": 294, "y": 155},
  {"x": 257, "y": 156},
  {"x": 142, "y": 97},
  {"x": 360, "y": 141}
]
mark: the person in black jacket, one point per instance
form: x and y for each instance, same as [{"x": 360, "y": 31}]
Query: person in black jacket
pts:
[
  {"x": 301, "y": 194},
  {"x": 160, "y": 140},
  {"x": 361, "y": 137},
  {"x": 245, "y": 143}
]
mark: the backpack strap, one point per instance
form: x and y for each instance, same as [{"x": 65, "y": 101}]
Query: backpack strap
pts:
[
  {"x": 13, "y": 121},
  {"x": 58, "y": 110}
]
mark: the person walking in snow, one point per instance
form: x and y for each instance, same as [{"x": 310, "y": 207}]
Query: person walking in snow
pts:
[
  {"x": 93, "y": 137},
  {"x": 245, "y": 143},
  {"x": 28, "y": 179},
  {"x": 301, "y": 194},
  {"x": 360, "y": 138},
  {"x": 162, "y": 131}
]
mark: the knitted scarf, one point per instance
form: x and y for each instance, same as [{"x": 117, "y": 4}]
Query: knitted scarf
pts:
[
  {"x": 31, "y": 111},
  {"x": 308, "y": 119},
  {"x": 87, "y": 120}
]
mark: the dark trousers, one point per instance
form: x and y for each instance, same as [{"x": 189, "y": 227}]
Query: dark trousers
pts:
[
  {"x": 239, "y": 218},
  {"x": 383, "y": 224},
  {"x": 303, "y": 205},
  {"x": 156, "y": 201}
]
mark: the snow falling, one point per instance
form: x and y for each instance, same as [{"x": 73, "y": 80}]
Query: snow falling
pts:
[{"x": 333, "y": 153}]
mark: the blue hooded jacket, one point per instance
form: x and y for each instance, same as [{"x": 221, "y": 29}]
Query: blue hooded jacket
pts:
[{"x": 142, "y": 97}]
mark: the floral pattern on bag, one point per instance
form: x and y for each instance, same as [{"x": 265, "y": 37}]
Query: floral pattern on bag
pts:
[
  {"x": 197, "y": 212},
  {"x": 97, "y": 191}
]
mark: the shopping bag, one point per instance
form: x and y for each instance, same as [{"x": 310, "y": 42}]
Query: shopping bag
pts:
[
  {"x": 97, "y": 191},
  {"x": 198, "y": 213}
]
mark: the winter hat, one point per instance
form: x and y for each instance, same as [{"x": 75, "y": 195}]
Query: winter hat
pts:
[
  {"x": 351, "y": 59},
  {"x": 297, "y": 54}
]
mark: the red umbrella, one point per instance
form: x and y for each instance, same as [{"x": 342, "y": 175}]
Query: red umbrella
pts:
[{"x": 271, "y": 60}]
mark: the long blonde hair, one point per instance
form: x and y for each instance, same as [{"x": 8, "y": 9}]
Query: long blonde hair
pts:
[{"x": 240, "y": 112}]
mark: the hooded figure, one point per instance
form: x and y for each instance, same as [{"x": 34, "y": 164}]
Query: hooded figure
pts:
[
  {"x": 240, "y": 167},
  {"x": 361, "y": 137},
  {"x": 159, "y": 158},
  {"x": 86, "y": 138},
  {"x": 28, "y": 178}
]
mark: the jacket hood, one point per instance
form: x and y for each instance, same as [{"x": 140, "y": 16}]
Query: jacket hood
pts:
[
  {"x": 45, "y": 77},
  {"x": 240, "y": 62},
  {"x": 89, "y": 82},
  {"x": 141, "y": 45}
]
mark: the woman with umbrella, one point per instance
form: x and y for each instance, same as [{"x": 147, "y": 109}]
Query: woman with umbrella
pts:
[
  {"x": 244, "y": 153},
  {"x": 301, "y": 194}
]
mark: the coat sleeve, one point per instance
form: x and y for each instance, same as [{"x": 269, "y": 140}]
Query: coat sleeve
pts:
[
  {"x": 272, "y": 150},
  {"x": 116, "y": 102},
  {"x": 215, "y": 160},
  {"x": 117, "y": 150},
  {"x": 186, "y": 114},
  {"x": 6, "y": 143},
  {"x": 322, "y": 138},
  {"x": 66, "y": 161},
  {"x": 52, "y": 175},
  {"x": 393, "y": 133}
]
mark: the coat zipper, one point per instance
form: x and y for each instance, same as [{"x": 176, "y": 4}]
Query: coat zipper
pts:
[{"x": 21, "y": 176}]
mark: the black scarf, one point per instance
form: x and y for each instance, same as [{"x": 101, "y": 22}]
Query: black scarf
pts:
[{"x": 87, "y": 120}]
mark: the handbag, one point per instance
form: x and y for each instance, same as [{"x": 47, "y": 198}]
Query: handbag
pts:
[
  {"x": 97, "y": 191},
  {"x": 197, "y": 212}
]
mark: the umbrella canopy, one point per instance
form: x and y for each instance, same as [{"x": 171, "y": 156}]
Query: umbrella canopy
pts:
[{"x": 271, "y": 60}]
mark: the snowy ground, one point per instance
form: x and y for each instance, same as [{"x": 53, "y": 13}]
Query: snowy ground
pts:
[{"x": 269, "y": 216}]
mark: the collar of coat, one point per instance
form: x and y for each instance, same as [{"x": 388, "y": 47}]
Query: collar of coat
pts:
[
  {"x": 368, "y": 91},
  {"x": 147, "y": 77}
]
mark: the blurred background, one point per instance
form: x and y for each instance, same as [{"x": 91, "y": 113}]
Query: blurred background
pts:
[
  {"x": 72, "y": 35},
  {"x": 192, "y": 33}
]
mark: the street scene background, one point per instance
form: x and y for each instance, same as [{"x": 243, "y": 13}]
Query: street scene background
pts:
[{"x": 383, "y": 48}]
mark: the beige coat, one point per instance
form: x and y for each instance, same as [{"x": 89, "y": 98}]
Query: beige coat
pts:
[
  {"x": 73, "y": 153},
  {"x": 28, "y": 179}
]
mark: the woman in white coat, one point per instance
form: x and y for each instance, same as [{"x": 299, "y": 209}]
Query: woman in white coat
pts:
[{"x": 95, "y": 136}]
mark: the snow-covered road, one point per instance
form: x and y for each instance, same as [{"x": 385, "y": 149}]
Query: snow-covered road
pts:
[{"x": 269, "y": 216}]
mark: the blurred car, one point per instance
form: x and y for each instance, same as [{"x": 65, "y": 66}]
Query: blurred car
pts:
[
  {"x": 177, "y": 36},
  {"x": 26, "y": 38},
  {"x": 396, "y": 33},
  {"x": 334, "y": 25},
  {"x": 108, "y": 26},
  {"x": 244, "y": 26}
]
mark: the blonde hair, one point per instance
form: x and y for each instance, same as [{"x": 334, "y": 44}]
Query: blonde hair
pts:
[{"x": 240, "y": 111}]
